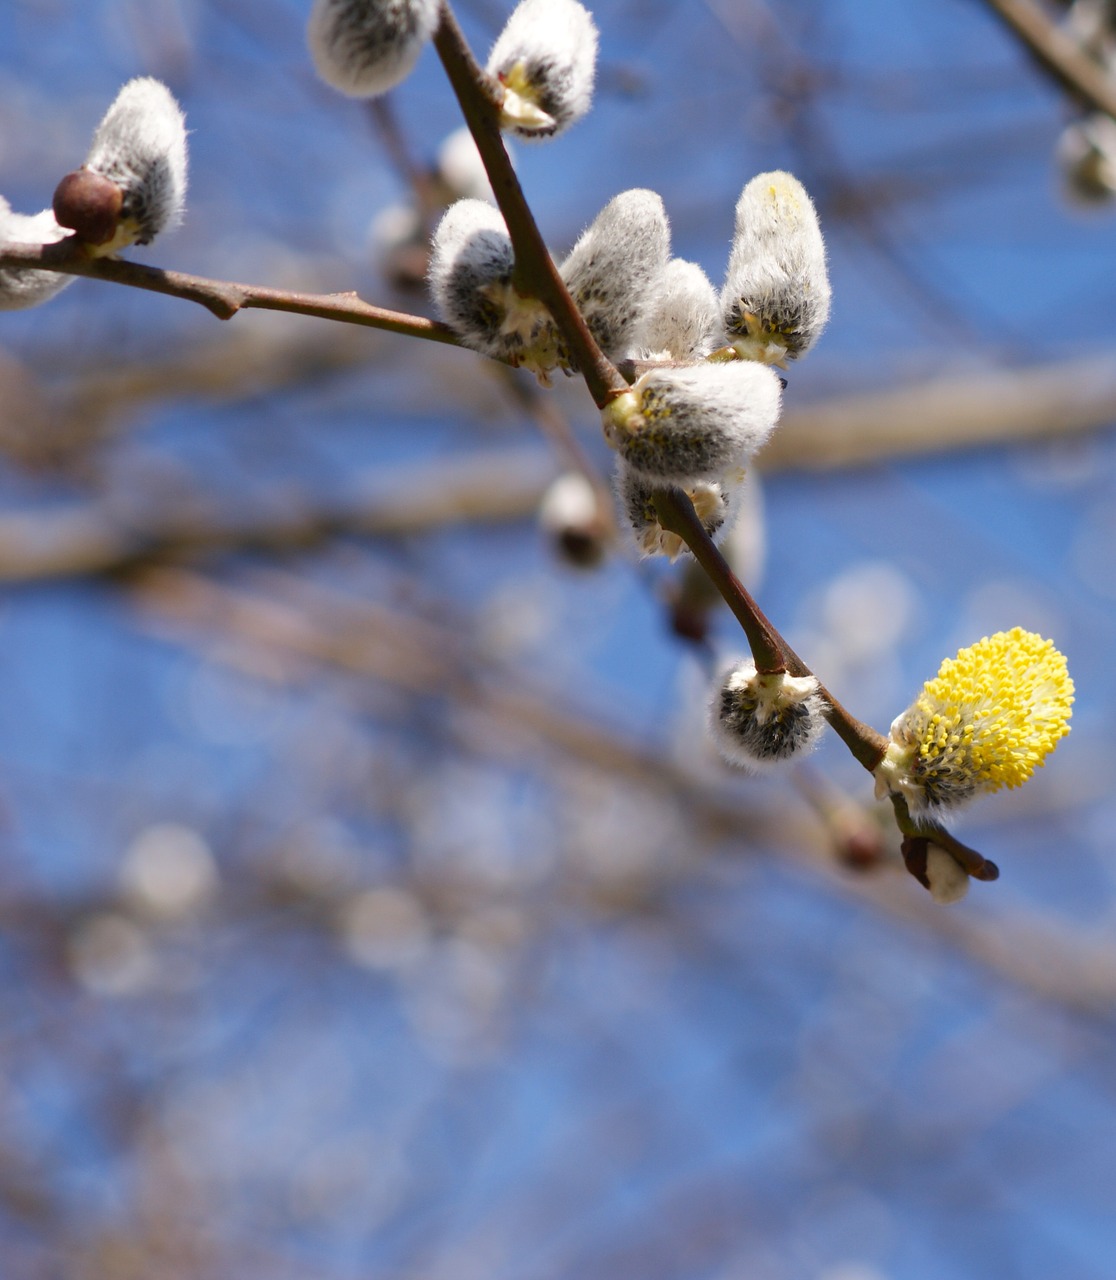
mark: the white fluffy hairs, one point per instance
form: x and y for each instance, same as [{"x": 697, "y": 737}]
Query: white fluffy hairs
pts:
[
  {"x": 546, "y": 59},
  {"x": 615, "y": 270},
  {"x": 762, "y": 721},
  {"x": 697, "y": 424},
  {"x": 140, "y": 145},
  {"x": 365, "y": 47},
  {"x": 21, "y": 288},
  {"x": 775, "y": 302},
  {"x": 684, "y": 323},
  {"x": 471, "y": 267}
]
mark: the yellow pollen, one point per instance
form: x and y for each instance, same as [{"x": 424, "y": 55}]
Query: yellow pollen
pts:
[{"x": 995, "y": 712}]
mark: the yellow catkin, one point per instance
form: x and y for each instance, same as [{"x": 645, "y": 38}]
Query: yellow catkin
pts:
[{"x": 992, "y": 714}]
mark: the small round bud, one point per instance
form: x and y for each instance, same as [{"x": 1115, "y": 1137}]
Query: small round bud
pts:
[
  {"x": 471, "y": 269},
  {"x": 935, "y": 869},
  {"x": 460, "y": 168},
  {"x": 685, "y": 321},
  {"x": 365, "y": 47},
  {"x": 762, "y": 720},
  {"x": 89, "y": 204},
  {"x": 570, "y": 515},
  {"x": 714, "y": 504},
  {"x": 1086, "y": 153},
  {"x": 775, "y": 302},
  {"x": 546, "y": 60},
  {"x": 139, "y": 147},
  {"x": 615, "y": 271},
  {"x": 682, "y": 426},
  {"x": 19, "y": 287}
]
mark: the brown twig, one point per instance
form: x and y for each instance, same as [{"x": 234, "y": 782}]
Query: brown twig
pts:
[
  {"x": 224, "y": 298},
  {"x": 1058, "y": 53},
  {"x": 770, "y": 651},
  {"x": 536, "y": 275}
]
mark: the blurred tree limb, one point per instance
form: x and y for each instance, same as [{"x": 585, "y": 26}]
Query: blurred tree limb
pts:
[
  {"x": 283, "y": 614},
  {"x": 1058, "y": 53}
]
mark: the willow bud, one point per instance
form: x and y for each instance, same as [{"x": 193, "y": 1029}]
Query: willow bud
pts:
[
  {"x": 775, "y": 302},
  {"x": 471, "y": 269},
  {"x": 615, "y": 270},
  {"x": 546, "y": 60},
  {"x": 682, "y": 426},
  {"x": 133, "y": 183},
  {"x": 685, "y": 320},
  {"x": 20, "y": 288},
  {"x": 1086, "y": 153},
  {"x": 715, "y": 504},
  {"x": 365, "y": 47},
  {"x": 762, "y": 720}
]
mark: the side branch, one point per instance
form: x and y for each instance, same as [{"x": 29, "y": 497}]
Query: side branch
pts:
[
  {"x": 536, "y": 274},
  {"x": 1057, "y": 53},
  {"x": 224, "y": 298}
]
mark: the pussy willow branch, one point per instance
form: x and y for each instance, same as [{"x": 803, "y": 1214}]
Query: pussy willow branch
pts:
[
  {"x": 976, "y": 864},
  {"x": 1058, "y": 53},
  {"x": 770, "y": 651},
  {"x": 224, "y": 298},
  {"x": 536, "y": 275}
]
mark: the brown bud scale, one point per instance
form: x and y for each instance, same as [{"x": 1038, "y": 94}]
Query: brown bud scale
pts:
[{"x": 88, "y": 204}]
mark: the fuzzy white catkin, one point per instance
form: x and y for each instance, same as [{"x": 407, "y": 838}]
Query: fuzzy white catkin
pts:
[
  {"x": 758, "y": 721},
  {"x": 365, "y": 47},
  {"x": 19, "y": 288},
  {"x": 615, "y": 270},
  {"x": 775, "y": 302},
  {"x": 685, "y": 320},
  {"x": 141, "y": 146},
  {"x": 716, "y": 505},
  {"x": 471, "y": 265},
  {"x": 546, "y": 58},
  {"x": 682, "y": 426}
]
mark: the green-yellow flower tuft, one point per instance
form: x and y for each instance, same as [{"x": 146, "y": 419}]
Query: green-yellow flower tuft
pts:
[{"x": 987, "y": 720}]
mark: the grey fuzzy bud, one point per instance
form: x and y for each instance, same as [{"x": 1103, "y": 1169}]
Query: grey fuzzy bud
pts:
[
  {"x": 685, "y": 320},
  {"x": 140, "y": 146},
  {"x": 471, "y": 269},
  {"x": 366, "y": 47},
  {"x": 546, "y": 59},
  {"x": 775, "y": 302},
  {"x": 762, "y": 720},
  {"x": 570, "y": 515},
  {"x": 681, "y": 426},
  {"x": 1087, "y": 155},
  {"x": 615, "y": 271},
  {"x": 21, "y": 288},
  {"x": 715, "y": 504}
]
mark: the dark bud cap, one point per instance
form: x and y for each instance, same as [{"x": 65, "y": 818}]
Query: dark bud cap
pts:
[{"x": 89, "y": 204}]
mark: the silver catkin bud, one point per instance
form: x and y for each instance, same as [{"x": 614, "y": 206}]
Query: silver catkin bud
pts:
[
  {"x": 365, "y": 47},
  {"x": 140, "y": 147},
  {"x": 682, "y": 426},
  {"x": 1086, "y": 155},
  {"x": 716, "y": 504},
  {"x": 615, "y": 271},
  {"x": 775, "y": 302},
  {"x": 471, "y": 267},
  {"x": 21, "y": 288},
  {"x": 684, "y": 323},
  {"x": 546, "y": 59},
  {"x": 762, "y": 720}
]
